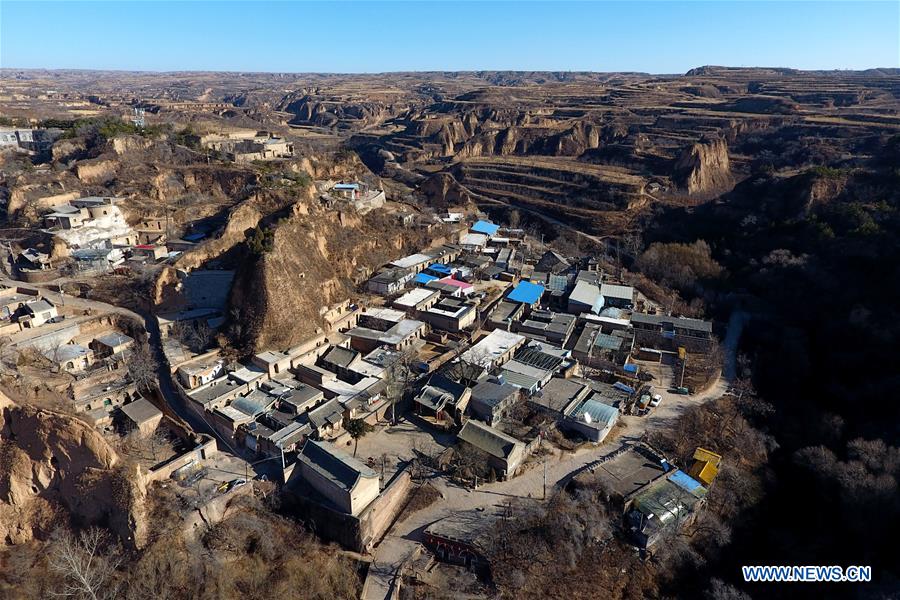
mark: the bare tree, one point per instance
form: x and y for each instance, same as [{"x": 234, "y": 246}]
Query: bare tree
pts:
[
  {"x": 398, "y": 379},
  {"x": 142, "y": 367},
  {"x": 466, "y": 370},
  {"x": 195, "y": 336},
  {"x": 87, "y": 563},
  {"x": 149, "y": 445}
]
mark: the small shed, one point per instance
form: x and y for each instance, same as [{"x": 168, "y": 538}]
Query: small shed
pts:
[{"x": 142, "y": 416}]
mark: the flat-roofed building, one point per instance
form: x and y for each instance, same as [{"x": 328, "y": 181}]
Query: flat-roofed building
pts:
[
  {"x": 390, "y": 281},
  {"x": 585, "y": 298},
  {"x": 450, "y": 314},
  {"x": 494, "y": 349},
  {"x": 491, "y": 400},
  {"x": 669, "y": 333},
  {"x": 416, "y": 300},
  {"x": 618, "y": 296},
  {"x": 505, "y": 315}
]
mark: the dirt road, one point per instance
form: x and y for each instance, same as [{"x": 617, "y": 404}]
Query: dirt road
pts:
[{"x": 405, "y": 538}]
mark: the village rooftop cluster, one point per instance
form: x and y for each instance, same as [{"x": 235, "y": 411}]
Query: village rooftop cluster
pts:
[{"x": 475, "y": 358}]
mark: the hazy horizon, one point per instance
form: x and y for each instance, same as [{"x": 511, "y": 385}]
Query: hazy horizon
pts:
[{"x": 347, "y": 38}]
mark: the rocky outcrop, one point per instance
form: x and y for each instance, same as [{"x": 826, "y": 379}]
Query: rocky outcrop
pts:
[
  {"x": 130, "y": 143},
  {"x": 704, "y": 168},
  {"x": 50, "y": 464},
  {"x": 443, "y": 191},
  {"x": 97, "y": 170}
]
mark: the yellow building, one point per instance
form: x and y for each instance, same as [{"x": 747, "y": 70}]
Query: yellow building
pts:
[{"x": 706, "y": 466}]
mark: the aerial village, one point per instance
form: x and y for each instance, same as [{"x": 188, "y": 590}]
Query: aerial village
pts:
[{"x": 481, "y": 362}]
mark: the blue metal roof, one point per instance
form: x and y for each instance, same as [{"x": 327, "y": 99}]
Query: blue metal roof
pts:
[
  {"x": 424, "y": 278},
  {"x": 685, "y": 481},
  {"x": 526, "y": 293},
  {"x": 439, "y": 268},
  {"x": 346, "y": 186},
  {"x": 485, "y": 227}
]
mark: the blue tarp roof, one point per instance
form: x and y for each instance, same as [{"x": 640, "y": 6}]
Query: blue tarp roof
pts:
[
  {"x": 685, "y": 481},
  {"x": 346, "y": 186},
  {"x": 526, "y": 293},
  {"x": 624, "y": 388},
  {"x": 439, "y": 268},
  {"x": 485, "y": 227},
  {"x": 424, "y": 278},
  {"x": 630, "y": 368}
]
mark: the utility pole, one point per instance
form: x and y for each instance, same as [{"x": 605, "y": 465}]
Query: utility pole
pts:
[
  {"x": 683, "y": 366},
  {"x": 545, "y": 480}
]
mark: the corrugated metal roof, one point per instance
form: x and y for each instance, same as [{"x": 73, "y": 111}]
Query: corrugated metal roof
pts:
[
  {"x": 592, "y": 412},
  {"x": 520, "y": 380}
]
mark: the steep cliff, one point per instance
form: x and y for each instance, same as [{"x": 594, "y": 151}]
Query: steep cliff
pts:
[
  {"x": 317, "y": 258},
  {"x": 52, "y": 464},
  {"x": 704, "y": 168},
  {"x": 442, "y": 191}
]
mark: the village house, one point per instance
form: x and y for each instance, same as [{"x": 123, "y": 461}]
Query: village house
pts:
[
  {"x": 326, "y": 420},
  {"x": 346, "y": 483},
  {"x": 110, "y": 344},
  {"x": 417, "y": 300},
  {"x": 390, "y": 281},
  {"x": 37, "y": 312},
  {"x": 493, "y": 350},
  {"x": 585, "y": 298},
  {"x": 617, "y": 296},
  {"x": 504, "y": 453},
  {"x": 100, "y": 399},
  {"x": 663, "y": 507},
  {"x": 505, "y": 315},
  {"x": 142, "y": 416},
  {"x": 91, "y": 222},
  {"x": 526, "y": 293},
  {"x": 196, "y": 374},
  {"x": 33, "y": 260},
  {"x": 152, "y": 252},
  {"x": 552, "y": 262},
  {"x": 592, "y": 419},
  {"x": 473, "y": 242},
  {"x": 594, "y": 347},
  {"x": 450, "y": 314},
  {"x": 385, "y": 327},
  {"x": 442, "y": 396},
  {"x": 13, "y": 300},
  {"x": 491, "y": 400},
  {"x": 669, "y": 333},
  {"x": 547, "y": 326}
]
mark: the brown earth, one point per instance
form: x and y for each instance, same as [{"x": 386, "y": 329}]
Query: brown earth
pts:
[{"x": 51, "y": 461}]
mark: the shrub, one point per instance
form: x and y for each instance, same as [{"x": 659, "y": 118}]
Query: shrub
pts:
[{"x": 679, "y": 265}]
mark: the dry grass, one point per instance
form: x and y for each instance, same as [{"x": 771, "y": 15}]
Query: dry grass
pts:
[{"x": 422, "y": 497}]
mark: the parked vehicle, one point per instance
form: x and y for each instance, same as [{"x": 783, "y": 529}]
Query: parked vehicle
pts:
[
  {"x": 681, "y": 390},
  {"x": 236, "y": 483},
  {"x": 656, "y": 400}
]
